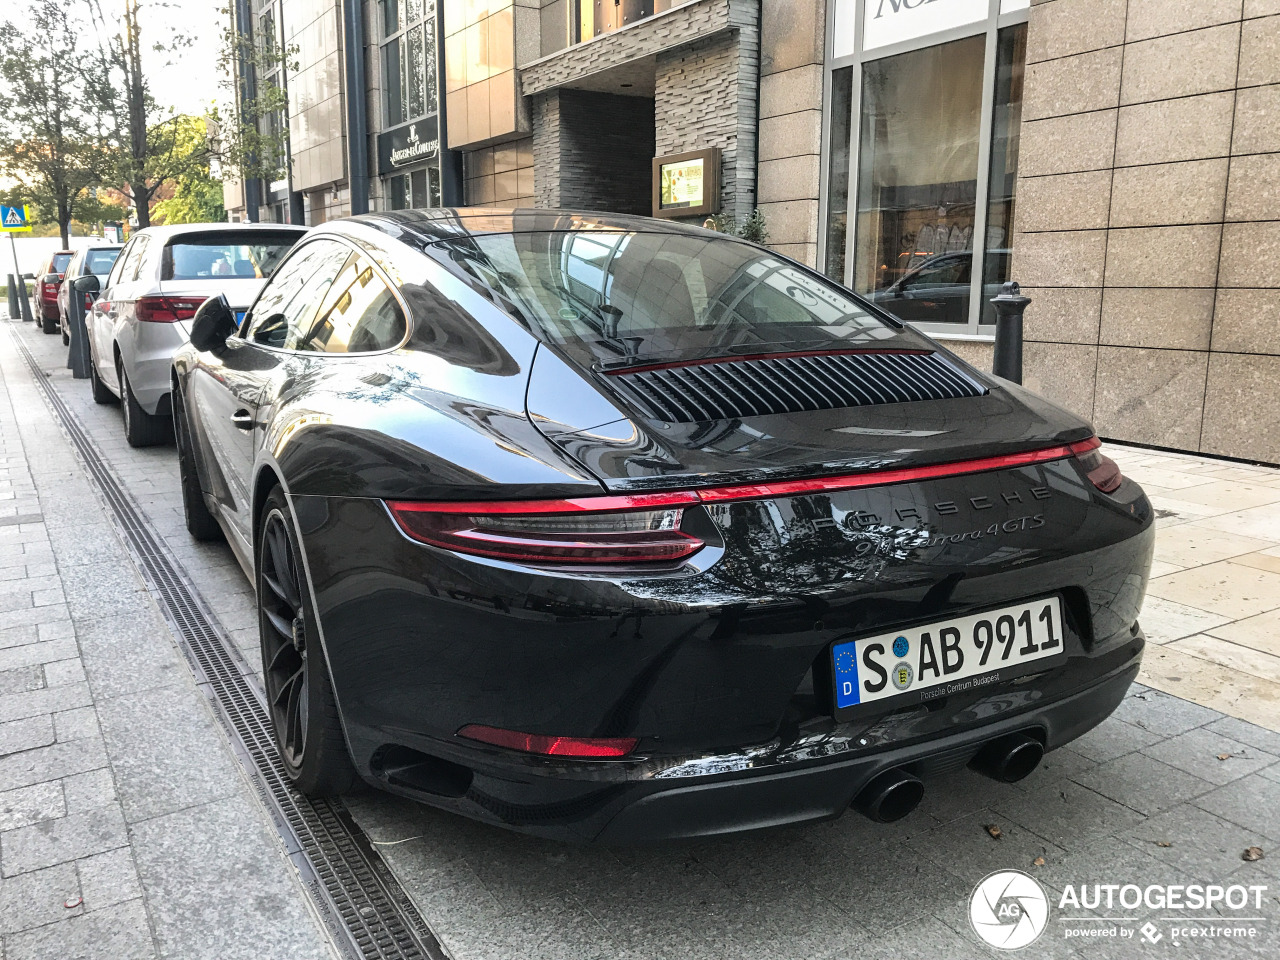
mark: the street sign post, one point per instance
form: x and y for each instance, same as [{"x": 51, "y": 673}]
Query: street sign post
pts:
[{"x": 14, "y": 220}]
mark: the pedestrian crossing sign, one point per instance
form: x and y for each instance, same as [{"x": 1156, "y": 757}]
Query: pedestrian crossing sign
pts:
[{"x": 14, "y": 219}]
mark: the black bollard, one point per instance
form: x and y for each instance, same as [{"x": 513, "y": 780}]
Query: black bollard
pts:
[
  {"x": 13, "y": 298},
  {"x": 1009, "y": 305},
  {"x": 24, "y": 302},
  {"x": 78, "y": 354}
]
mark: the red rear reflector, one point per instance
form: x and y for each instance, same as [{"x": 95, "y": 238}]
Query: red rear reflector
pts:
[
  {"x": 165, "y": 309},
  {"x": 550, "y": 746}
]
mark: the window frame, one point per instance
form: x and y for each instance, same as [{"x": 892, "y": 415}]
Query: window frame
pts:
[
  {"x": 989, "y": 28},
  {"x": 400, "y": 38},
  {"x": 352, "y": 247}
]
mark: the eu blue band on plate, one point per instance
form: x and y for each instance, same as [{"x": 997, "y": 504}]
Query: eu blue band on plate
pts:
[{"x": 845, "y": 658}]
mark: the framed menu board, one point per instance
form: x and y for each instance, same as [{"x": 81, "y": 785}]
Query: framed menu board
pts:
[{"x": 687, "y": 184}]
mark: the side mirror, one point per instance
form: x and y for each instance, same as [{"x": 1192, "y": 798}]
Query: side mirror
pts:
[
  {"x": 28, "y": 276},
  {"x": 213, "y": 323},
  {"x": 87, "y": 284}
]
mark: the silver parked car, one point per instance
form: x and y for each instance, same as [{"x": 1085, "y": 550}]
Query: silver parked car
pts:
[
  {"x": 143, "y": 311},
  {"x": 97, "y": 260}
]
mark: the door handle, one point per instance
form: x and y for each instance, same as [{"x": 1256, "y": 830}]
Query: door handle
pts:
[{"x": 243, "y": 419}]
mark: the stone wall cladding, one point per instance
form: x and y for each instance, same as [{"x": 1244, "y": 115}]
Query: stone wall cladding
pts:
[
  {"x": 793, "y": 35},
  {"x": 1156, "y": 303},
  {"x": 685, "y": 24},
  {"x": 591, "y": 152},
  {"x": 705, "y": 96}
]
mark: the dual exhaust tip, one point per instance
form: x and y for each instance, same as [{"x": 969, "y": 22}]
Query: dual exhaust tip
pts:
[{"x": 895, "y": 793}]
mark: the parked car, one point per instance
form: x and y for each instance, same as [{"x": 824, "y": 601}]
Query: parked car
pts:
[
  {"x": 96, "y": 260},
  {"x": 937, "y": 291},
  {"x": 606, "y": 528},
  {"x": 48, "y": 279},
  {"x": 142, "y": 313}
]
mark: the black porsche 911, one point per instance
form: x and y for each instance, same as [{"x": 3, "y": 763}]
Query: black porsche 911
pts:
[{"x": 603, "y": 528}]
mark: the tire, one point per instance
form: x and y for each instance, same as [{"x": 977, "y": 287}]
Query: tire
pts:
[
  {"x": 304, "y": 714},
  {"x": 141, "y": 429},
  {"x": 101, "y": 392},
  {"x": 48, "y": 324},
  {"x": 201, "y": 523}
]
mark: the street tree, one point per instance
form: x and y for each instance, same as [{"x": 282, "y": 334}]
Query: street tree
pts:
[
  {"x": 50, "y": 139},
  {"x": 197, "y": 195},
  {"x": 150, "y": 146}
]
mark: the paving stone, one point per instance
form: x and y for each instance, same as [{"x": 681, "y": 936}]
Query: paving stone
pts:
[
  {"x": 57, "y": 841},
  {"x": 167, "y": 751},
  {"x": 119, "y": 934},
  {"x": 1197, "y": 752},
  {"x": 1163, "y": 714},
  {"x": 103, "y": 591},
  {"x": 28, "y": 805},
  {"x": 1056, "y": 765},
  {"x": 125, "y": 654},
  {"x": 1143, "y": 783},
  {"x": 1252, "y": 734},
  {"x": 965, "y": 848},
  {"x": 1201, "y": 844},
  {"x": 63, "y": 672},
  {"x": 108, "y": 878},
  {"x": 1113, "y": 738},
  {"x": 76, "y": 724},
  {"x": 195, "y": 865},
  {"x": 51, "y": 762},
  {"x": 1253, "y": 802},
  {"x": 34, "y": 899},
  {"x": 18, "y": 635},
  {"x": 17, "y": 706},
  {"x": 1068, "y": 814},
  {"x": 90, "y": 790},
  {"x": 32, "y": 653},
  {"x": 20, "y": 680},
  {"x": 18, "y": 735}
]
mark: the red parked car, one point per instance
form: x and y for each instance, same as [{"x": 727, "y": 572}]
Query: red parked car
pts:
[{"x": 48, "y": 279}]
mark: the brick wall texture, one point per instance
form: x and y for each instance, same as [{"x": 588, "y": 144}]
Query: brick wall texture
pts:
[
  {"x": 1148, "y": 220},
  {"x": 593, "y": 151}
]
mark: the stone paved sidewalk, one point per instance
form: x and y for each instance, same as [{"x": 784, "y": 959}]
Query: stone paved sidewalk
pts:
[
  {"x": 127, "y": 829},
  {"x": 1213, "y": 605}
]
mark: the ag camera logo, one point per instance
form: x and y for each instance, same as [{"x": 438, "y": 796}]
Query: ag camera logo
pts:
[{"x": 1008, "y": 909}]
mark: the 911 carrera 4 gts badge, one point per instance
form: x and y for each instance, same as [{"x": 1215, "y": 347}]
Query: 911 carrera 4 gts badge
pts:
[
  {"x": 900, "y": 647},
  {"x": 902, "y": 674}
]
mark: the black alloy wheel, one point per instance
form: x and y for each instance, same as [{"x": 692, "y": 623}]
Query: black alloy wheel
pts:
[{"x": 304, "y": 715}]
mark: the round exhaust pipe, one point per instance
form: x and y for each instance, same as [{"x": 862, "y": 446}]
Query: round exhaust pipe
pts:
[
  {"x": 1008, "y": 759},
  {"x": 889, "y": 796}
]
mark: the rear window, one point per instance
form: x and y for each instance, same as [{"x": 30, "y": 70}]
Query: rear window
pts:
[
  {"x": 100, "y": 262},
  {"x": 622, "y": 296},
  {"x": 248, "y": 255},
  {"x": 60, "y": 261}
]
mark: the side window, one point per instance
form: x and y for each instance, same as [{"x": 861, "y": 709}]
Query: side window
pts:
[
  {"x": 360, "y": 314},
  {"x": 288, "y": 305},
  {"x": 126, "y": 254}
]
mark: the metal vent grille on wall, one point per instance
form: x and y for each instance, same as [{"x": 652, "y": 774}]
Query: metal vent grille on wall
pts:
[{"x": 758, "y": 386}]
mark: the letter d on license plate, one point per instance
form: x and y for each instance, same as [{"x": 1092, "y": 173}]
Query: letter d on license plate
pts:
[{"x": 949, "y": 656}]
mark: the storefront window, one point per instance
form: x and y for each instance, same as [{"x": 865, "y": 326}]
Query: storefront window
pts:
[
  {"x": 917, "y": 180},
  {"x": 1011, "y": 55},
  {"x": 408, "y": 59},
  {"x": 838, "y": 171},
  {"x": 419, "y": 189}
]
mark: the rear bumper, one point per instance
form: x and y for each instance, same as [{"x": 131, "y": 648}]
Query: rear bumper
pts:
[{"x": 691, "y": 800}]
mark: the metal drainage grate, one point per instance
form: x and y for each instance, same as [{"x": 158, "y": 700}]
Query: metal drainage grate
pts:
[{"x": 366, "y": 911}]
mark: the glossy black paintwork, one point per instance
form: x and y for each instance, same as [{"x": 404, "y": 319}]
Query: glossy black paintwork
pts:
[{"x": 708, "y": 663}]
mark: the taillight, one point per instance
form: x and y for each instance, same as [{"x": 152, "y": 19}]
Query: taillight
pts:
[
  {"x": 550, "y": 746},
  {"x": 1101, "y": 470},
  {"x": 595, "y": 530},
  {"x": 49, "y": 291},
  {"x": 88, "y": 301},
  {"x": 165, "y": 309}
]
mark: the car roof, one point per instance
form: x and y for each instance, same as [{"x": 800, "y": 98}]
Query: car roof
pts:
[
  {"x": 452, "y": 223},
  {"x": 170, "y": 231}
]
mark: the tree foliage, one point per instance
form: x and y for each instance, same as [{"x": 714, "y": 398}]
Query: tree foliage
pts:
[
  {"x": 50, "y": 137},
  {"x": 197, "y": 196}
]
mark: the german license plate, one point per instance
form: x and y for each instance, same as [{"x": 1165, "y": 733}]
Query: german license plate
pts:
[{"x": 949, "y": 656}]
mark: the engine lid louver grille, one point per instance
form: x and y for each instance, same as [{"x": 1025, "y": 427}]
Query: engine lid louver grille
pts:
[{"x": 754, "y": 387}]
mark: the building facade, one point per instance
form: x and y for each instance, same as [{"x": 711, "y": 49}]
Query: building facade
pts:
[{"x": 1118, "y": 158}]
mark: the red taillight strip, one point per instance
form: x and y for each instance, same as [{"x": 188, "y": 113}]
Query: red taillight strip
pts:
[
  {"x": 762, "y": 356},
  {"x": 750, "y": 491},
  {"x": 588, "y": 747}
]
